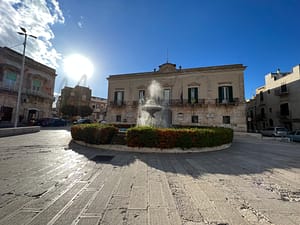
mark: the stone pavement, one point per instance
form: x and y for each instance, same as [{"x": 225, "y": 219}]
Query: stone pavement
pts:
[{"x": 46, "y": 179}]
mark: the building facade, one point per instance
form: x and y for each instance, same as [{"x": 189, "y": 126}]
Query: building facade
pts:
[
  {"x": 99, "y": 108},
  {"x": 37, "y": 89},
  {"x": 78, "y": 97},
  {"x": 205, "y": 96},
  {"x": 277, "y": 103}
]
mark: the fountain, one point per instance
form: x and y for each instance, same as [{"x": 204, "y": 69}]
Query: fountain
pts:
[{"x": 153, "y": 113}]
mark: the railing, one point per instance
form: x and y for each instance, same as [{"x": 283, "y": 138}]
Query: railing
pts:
[
  {"x": 178, "y": 103},
  {"x": 280, "y": 92},
  {"x": 14, "y": 88},
  {"x": 232, "y": 101},
  {"x": 284, "y": 115},
  {"x": 118, "y": 104}
]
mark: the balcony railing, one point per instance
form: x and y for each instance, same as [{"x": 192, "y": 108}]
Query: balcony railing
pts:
[
  {"x": 177, "y": 103},
  {"x": 118, "y": 104},
  {"x": 281, "y": 92},
  {"x": 284, "y": 115},
  {"x": 232, "y": 101},
  {"x": 14, "y": 88}
]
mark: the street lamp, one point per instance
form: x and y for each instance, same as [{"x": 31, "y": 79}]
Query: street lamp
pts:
[{"x": 22, "y": 75}]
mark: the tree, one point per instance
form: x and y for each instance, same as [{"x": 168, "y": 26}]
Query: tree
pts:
[
  {"x": 69, "y": 110},
  {"x": 84, "y": 110}
]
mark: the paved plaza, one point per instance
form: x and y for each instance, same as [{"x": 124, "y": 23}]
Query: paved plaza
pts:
[{"x": 47, "y": 179}]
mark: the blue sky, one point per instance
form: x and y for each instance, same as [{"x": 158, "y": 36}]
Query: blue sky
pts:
[{"x": 127, "y": 36}]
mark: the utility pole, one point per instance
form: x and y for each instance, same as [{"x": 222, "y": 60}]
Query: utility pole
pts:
[{"x": 22, "y": 75}]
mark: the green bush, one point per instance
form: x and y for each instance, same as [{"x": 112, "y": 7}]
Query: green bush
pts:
[
  {"x": 93, "y": 133},
  {"x": 142, "y": 137},
  {"x": 182, "y": 138}
]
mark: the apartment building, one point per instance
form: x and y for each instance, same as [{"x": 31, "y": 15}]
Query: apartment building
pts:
[
  {"x": 99, "y": 108},
  {"x": 204, "y": 96},
  {"x": 76, "y": 97},
  {"x": 277, "y": 103},
  {"x": 36, "y": 92}
]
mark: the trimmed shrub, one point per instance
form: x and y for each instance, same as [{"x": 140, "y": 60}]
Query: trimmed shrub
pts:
[
  {"x": 182, "y": 138},
  {"x": 93, "y": 133},
  {"x": 142, "y": 137}
]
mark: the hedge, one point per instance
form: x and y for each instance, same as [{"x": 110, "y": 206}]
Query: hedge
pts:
[
  {"x": 93, "y": 133},
  {"x": 182, "y": 138}
]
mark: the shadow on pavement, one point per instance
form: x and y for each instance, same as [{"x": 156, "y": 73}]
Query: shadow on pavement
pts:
[{"x": 245, "y": 156}]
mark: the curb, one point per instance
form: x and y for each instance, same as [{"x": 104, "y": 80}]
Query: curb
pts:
[
  {"x": 5, "y": 132},
  {"x": 124, "y": 148}
]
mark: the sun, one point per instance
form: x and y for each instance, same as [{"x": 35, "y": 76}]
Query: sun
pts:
[{"x": 76, "y": 65}]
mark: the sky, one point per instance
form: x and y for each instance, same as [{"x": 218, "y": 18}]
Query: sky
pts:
[{"x": 130, "y": 36}]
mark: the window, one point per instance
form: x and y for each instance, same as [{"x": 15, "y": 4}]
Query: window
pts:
[
  {"x": 269, "y": 91},
  {"x": 270, "y": 110},
  {"x": 262, "y": 112},
  {"x": 195, "y": 119},
  {"x": 166, "y": 96},
  {"x": 141, "y": 96},
  {"x": 225, "y": 94},
  {"x": 118, "y": 118},
  {"x": 119, "y": 97},
  {"x": 226, "y": 119},
  {"x": 10, "y": 79},
  {"x": 36, "y": 85},
  {"x": 283, "y": 88},
  {"x": 284, "y": 109},
  {"x": 261, "y": 96},
  {"x": 83, "y": 97},
  {"x": 193, "y": 95}
]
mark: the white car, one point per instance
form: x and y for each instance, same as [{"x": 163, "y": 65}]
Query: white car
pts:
[{"x": 275, "y": 132}]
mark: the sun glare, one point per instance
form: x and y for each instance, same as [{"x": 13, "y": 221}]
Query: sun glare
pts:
[{"x": 75, "y": 66}]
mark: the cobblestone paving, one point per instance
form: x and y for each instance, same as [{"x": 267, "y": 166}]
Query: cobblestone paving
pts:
[{"x": 47, "y": 179}]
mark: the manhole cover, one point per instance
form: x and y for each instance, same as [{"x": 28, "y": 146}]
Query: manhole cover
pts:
[{"x": 103, "y": 158}]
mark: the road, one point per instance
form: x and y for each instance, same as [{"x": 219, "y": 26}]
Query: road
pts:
[{"x": 47, "y": 179}]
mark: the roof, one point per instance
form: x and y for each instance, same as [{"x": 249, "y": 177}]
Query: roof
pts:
[{"x": 167, "y": 69}]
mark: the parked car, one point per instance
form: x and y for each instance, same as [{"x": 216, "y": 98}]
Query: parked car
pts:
[
  {"x": 294, "y": 136},
  {"x": 51, "y": 122},
  {"x": 82, "y": 121},
  {"x": 275, "y": 132}
]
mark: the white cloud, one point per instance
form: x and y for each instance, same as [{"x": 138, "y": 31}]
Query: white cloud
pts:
[{"x": 37, "y": 17}]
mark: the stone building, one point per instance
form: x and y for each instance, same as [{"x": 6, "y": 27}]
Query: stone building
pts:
[
  {"x": 277, "y": 103},
  {"x": 37, "y": 91},
  {"x": 77, "y": 96},
  {"x": 99, "y": 108},
  {"x": 205, "y": 96}
]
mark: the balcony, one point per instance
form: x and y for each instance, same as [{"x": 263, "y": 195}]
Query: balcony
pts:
[
  {"x": 118, "y": 104},
  {"x": 14, "y": 89},
  {"x": 284, "y": 116},
  {"x": 281, "y": 92},
  {"x": 233, "y": 101}
]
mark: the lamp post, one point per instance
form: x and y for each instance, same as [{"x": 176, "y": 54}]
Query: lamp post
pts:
[{"x": 22, "y": 75}]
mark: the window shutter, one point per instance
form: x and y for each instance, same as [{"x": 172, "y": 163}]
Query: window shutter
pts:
[
  {"x": 230, "y": 94},
  {"x": 221, "y": 94},
  {"x": 196, "y": 95},
  {"x": 189, "y": 95},
  {"x": 116, "y": 97}
]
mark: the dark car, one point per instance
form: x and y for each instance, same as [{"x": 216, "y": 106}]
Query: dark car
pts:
[
  {"x": 82, "y": 121},
  {"x": 51, "y": 122},
  {"x": 294, "y": 136}
]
